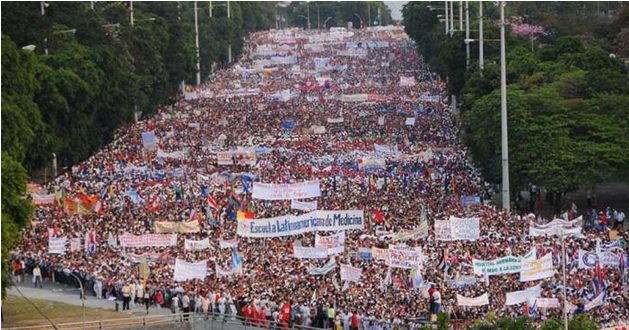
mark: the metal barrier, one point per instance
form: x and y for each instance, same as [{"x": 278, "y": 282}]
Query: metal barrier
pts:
[{"x": 193, "y": 321}]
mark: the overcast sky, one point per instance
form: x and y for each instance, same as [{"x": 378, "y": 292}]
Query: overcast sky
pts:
[{"x": 396, "y": 8}]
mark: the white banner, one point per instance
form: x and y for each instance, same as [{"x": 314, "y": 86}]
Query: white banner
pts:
[
  {"x": 442, "y": 230},
  {"x": 334, "y": 243},
  {"x": 236, "y": 157},
  {"x": 175, "y": 155},
  {"x": 190, "y": 270},
  {"x": 274, "y": 192},
  {"x": 75, "y": 244},
  {"x": 596, "y": 302},
  {"x": 385, "y": 150},
  {"x": 303, "y": 206},
  {"x": 587, "y": 260},
  {"x": 335, "y": 120},
  {"x": 407, "y": 81},
  {"x": 405, "y": 257},
  {"x": 228, "y": 244},
  {"x": 303, "y": 252},
  {"x": 465, "y": 228},
  {"x": 537, "y": 269},
  {"x": 292, "y": 225},
  {"x": 329, "y": 266},
  {"x": 349, "y": 273},
  {"x": 557, "y": 227},
  {"x": 547, "y": 303},
  {"x": 411, "y": 234},
  {"x": 192, "y": 245},
  {"x": 506, "y": 265},
  {"x": 518, "y": 297},
  {"x": 354, "y": 97},
  {"x": 147, "y": 240},
  {"x": 410, "y": 121},
  {"x": 380, "y": 254},
  {"x": 472, "y": 302},
  {"x": 57, "y": 245}
]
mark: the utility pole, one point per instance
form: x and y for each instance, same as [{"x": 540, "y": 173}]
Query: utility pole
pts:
[
  {"x": 447, "y": 19},
  {"x": 481, "y": 55},
  {"x": 229, "y": 50},
  {"x": 451, "y": 17},
  {"x": 131, "y": 11},
  {"x": 308, "y": 10},
  {"x": 467, "y": 34},
  {"x": 460, "y": 15},
  {"x": 503, "y": 113},
  {"x": 196, "y": 31},
  {"x": 43, "y": 8},
  {"x": 210, "y": 9}
]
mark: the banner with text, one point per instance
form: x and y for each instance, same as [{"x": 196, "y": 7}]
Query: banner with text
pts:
[
  {"x": 274, "y": 192},
  {"x": 57, "y": 245},
  {"x": 192, "y": 245},
  {"x": 334, "y": 243},
  {"x": 148, "y": 240},
  {"x": 287, "y": 225},
  {"x": 537, "y": 269},
  {"x": 473, "y": 302},
  {"x": 405, "y": 257},
  {"x": 190, "y": 270},
  {"x": 349, "y": 273},
  {"x": 518, "y": 297}
]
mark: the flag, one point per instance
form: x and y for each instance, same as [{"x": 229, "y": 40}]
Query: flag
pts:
[
  {"x": 444, "y": 262},
  {"x": 378, "y": 216},
  {"x": 598, "y": 278},
  {"x": 234, "y": 200},
  {"x": 98, "y": 207},
  {"x": 231, "y": 213},
  {"x": 154, "y": 205},
  {"x": 212, "y": 202},
  {"x": 194, "y": 215},
  {"x": 423, "y": 216},
  {"x": 90, "y": 242},
  {"x": 235, "y": 260},
  {"x": 240, "y": 215},
  {"x": 210, "y": 218},
  {"x": 246, "y": 183}
]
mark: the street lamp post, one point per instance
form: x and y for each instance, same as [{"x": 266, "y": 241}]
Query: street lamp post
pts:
[
  {"x": 447, "y": 19},
  {"x": 131, "y": 12},
  {"x": 481, "y": 55},
  {"x": 565, "y": 298},
  {"x": 68, "y": 272},
  {"x": 360, "y": 22},
  {"x": 451, "y": 17},
  {"x": 503, "y": 113},
  {"x": 196, "y": 31},
  {"x": 326, "y": 22},
  {"x": 467, "y": 34}
]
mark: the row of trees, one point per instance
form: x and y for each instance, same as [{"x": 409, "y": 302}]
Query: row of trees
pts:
[
  {"x": 89, "y": 72},
  {"x": 568, "y": 99},
  {"x": 339, "y": 12}
]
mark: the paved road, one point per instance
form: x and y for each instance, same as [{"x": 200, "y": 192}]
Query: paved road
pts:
[{"x": 70, "y": 295}]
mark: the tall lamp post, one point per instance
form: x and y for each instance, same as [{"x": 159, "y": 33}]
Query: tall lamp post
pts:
[
  {"x": 503, "y": 113},
  {"x": 68, "y": 272},
  {"x": 326, "y": 22},
  {"x": 481, "y": 55}
]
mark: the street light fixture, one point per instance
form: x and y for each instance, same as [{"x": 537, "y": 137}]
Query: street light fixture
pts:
[
  {"x": 326, "y": 22},
  {"x": 68, "y": 272},
  {"x": 30, "y": 48}
]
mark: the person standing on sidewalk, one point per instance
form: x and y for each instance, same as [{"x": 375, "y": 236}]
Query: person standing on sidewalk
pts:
[
  {"x": 126, "y": 296},
  {"x": 37, "y": 279}
]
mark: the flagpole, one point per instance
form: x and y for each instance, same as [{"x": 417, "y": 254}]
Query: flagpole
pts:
[{"x": 565, "y": 297}]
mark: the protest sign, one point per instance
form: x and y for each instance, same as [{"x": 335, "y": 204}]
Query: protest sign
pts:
[
  {"x": 442, "y": 230},
  {"x": 465, "y": 228},
  {"x": 349, "y": 273},
  {"x": 410, "y": 121},
  {"x": 149, "y": 141},
  {"x": 365, "y": 253},
  {"x": 175, "y": 155},
  {"x": 462, "y": 281},
  {"x": 236, "y": 157},
  {"x": 518, "y": 297},
  {"x": 148, "y": 240},
  {"x": 380, "y": 254},
  {"x": 303, "y": 206},
  {"x": 547, "y": 303},
  {"x": 192, "y": 245},
  {"x": 75, "y": 244},
  {"x": 410, "y": 234},
  {"x": 405, "y": 257},
  {"x": 329, "y": 266},
  {"x": 470, "y": 200},
  {"x": 334, "y": 243},
  {"x": 183, "y": 227},
  {"x": 537, "y": 269},
  {"x": 273, "y": 192},
  {"x": 407, "y": 81},
  {"x": 190, "y": 270},
  {"x": 588, "y": 260},
  {"x": 228, "y": 244},
  {"x": 499, "y": 266},
  {"x": 57, "y": 245},
  {"x": 292, "y": 225},
  {"x": 473, "y": 302},
  {"x": 303, "y": 252}
]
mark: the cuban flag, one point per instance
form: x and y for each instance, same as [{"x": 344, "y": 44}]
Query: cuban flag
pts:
[
  {"x": 212, "y": 202},
  {"x": 90, "y": 243}
]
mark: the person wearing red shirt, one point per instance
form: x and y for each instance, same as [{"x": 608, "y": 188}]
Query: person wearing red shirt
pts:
[
  {"x": 246, "y": 313},
  {"x": 261, "y": 315},
  {"x": 354, "y": 321}
]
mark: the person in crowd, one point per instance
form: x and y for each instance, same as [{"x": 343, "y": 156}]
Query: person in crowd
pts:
[{"x": 37, "y": 278}]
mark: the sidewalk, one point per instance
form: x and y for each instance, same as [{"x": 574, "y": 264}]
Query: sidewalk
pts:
[{"x": 70, "y": 295}]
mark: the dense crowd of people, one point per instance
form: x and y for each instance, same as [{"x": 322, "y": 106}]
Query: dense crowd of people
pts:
[{"x": 289, "y": 100}]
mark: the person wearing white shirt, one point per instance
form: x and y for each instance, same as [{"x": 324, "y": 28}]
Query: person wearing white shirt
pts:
[
  {"x": 37, "y": 276},
  {"x": 133, "y": 287},
  {"x": 305, "y": 315},
  {"x": 221, "y": 306}
]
